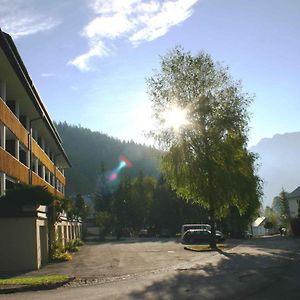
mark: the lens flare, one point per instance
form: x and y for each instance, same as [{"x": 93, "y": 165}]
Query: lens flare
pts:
[
  {"x": 113, "y": 176},
  {"x": 124, "y": 162}
]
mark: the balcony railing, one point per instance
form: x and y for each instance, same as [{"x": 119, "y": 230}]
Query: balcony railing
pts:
[
  {"x": 12, "y": 167},
  {"x": 11, "y": 121},
  {"x": 15, "y": 126},
  {"x": 36, "y": 180}
]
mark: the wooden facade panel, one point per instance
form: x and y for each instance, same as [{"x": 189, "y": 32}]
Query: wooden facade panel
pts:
[
  {"x": 42, "y": 156},
  {"x": 36, "y": 180},
  {"x": 46, "y": 161},
  {"x": 15, "y": 126},
  {"x": 12, "y": 167},
  {"x": 12, "y": 122},
  {"x": 60, "y": 177}
]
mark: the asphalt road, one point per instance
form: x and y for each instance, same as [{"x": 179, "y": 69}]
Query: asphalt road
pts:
[{"x": 267, "y": 268}]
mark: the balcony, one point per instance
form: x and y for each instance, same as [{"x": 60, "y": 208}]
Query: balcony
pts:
[{"x": 10, "y": 165}]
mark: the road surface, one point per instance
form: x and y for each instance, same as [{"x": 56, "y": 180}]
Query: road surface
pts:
[{"x": 266, "y": 268}]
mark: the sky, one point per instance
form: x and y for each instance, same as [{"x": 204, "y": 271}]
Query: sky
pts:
[{"x": 89, "y": 59}]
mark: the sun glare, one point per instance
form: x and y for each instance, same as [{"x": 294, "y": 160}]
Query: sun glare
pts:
[{"x": 175, "y": 118}]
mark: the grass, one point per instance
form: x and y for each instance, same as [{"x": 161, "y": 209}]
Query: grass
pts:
[
  {"x": 33, "y": 281},
  {"x": 203, "y": 248}
]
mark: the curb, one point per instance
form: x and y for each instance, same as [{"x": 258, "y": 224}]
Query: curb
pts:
[{"x": 41, "y": 287}]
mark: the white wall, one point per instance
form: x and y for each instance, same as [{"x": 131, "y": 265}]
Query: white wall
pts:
[{"x": 259, "y": 230}]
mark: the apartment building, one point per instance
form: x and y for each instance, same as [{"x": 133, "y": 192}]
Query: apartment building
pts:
[{"x": 31, "y": 152}]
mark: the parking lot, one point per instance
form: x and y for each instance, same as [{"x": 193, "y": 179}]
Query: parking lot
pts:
[{"x": 125, "y": 257}]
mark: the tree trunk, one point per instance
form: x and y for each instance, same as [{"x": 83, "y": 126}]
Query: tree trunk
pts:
[{"x": 213, "y": 244}]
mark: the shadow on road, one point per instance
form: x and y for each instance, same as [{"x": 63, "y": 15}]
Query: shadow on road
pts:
[{"x": 233, "y": 275}]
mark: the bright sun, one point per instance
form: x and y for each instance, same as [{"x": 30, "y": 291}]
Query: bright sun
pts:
[{"x": 175, "y": 118}]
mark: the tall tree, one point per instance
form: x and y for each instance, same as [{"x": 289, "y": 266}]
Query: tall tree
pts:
[
  {"x": 276, "y": 205},
  {"x": 285, "y": 210},
  {"x": 142, "y": 194},
  {"x": 121, "y": 203},
  {"x": 103, "y": 194},
  {"x": 203, "y": 121},
  {"x": 81, "y": 209}
]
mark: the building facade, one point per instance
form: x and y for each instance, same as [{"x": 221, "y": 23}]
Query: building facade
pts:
[
  {"x": 31, "y": 152},
  {"x": 294, "y": 201}
]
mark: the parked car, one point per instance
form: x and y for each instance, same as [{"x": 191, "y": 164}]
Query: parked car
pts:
[
  {"x": 147, "y": 232},
  {"x": 220, "y": 237},
  {"x": 201, "y": 235}
]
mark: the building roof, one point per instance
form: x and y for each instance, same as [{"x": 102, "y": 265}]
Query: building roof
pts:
[
  {"x": 13, "y": 56},
  {"x": 295, "y": 193},
  {"x": 259, "y": 221}
]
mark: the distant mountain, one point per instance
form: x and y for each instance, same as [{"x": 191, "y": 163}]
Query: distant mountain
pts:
[
  {"x": 280, "y": 163},
  {"x": 88, "y": 150}
]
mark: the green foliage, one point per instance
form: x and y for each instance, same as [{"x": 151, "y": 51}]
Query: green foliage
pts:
[
  {"x": 34, "y": 281},
  {"x": 104, "y": 191},
  {"x": 58, "y": 253},
  {"x": 269, "y": 225},
  {"x": 73, "y": 209},
  {"x": 72, "y": 246},
  {"x": 145, "y": 202},
  {"x": 60, "y": 257},
  {"x": 272, "y": 216},
  {"x": 284, "y": 208},
  {"x": 276, "y": 205},
  {"x": 79, "y": 242},
  {"x": 207, "y": 161},
  {"x": 235, "y": 221},
  {"x": 25, "y": 195},
  {"x": 81, "y": 209},
  {"x": 106, "y": 222},
  {"x": 140, "y": 203},
  {"x": 168, "y": 211},
  {"x": 55, "y": 210}
]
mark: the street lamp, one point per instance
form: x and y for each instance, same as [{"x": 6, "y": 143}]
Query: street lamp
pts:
[{"x": 30, "y": 145}]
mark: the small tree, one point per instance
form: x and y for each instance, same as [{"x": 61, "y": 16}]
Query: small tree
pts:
[{"x": 105, "y": 222}]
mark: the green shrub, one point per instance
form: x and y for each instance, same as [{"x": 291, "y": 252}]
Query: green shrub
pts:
[
  {"x": 63, "y": 256},
  {"x": 72, "y": 246},
  {"x": 58, "y": 252},
  {"x": 79, "y": 242}
]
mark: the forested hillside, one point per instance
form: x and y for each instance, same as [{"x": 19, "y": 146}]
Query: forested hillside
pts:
[{"x": 88, "y": 150}]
